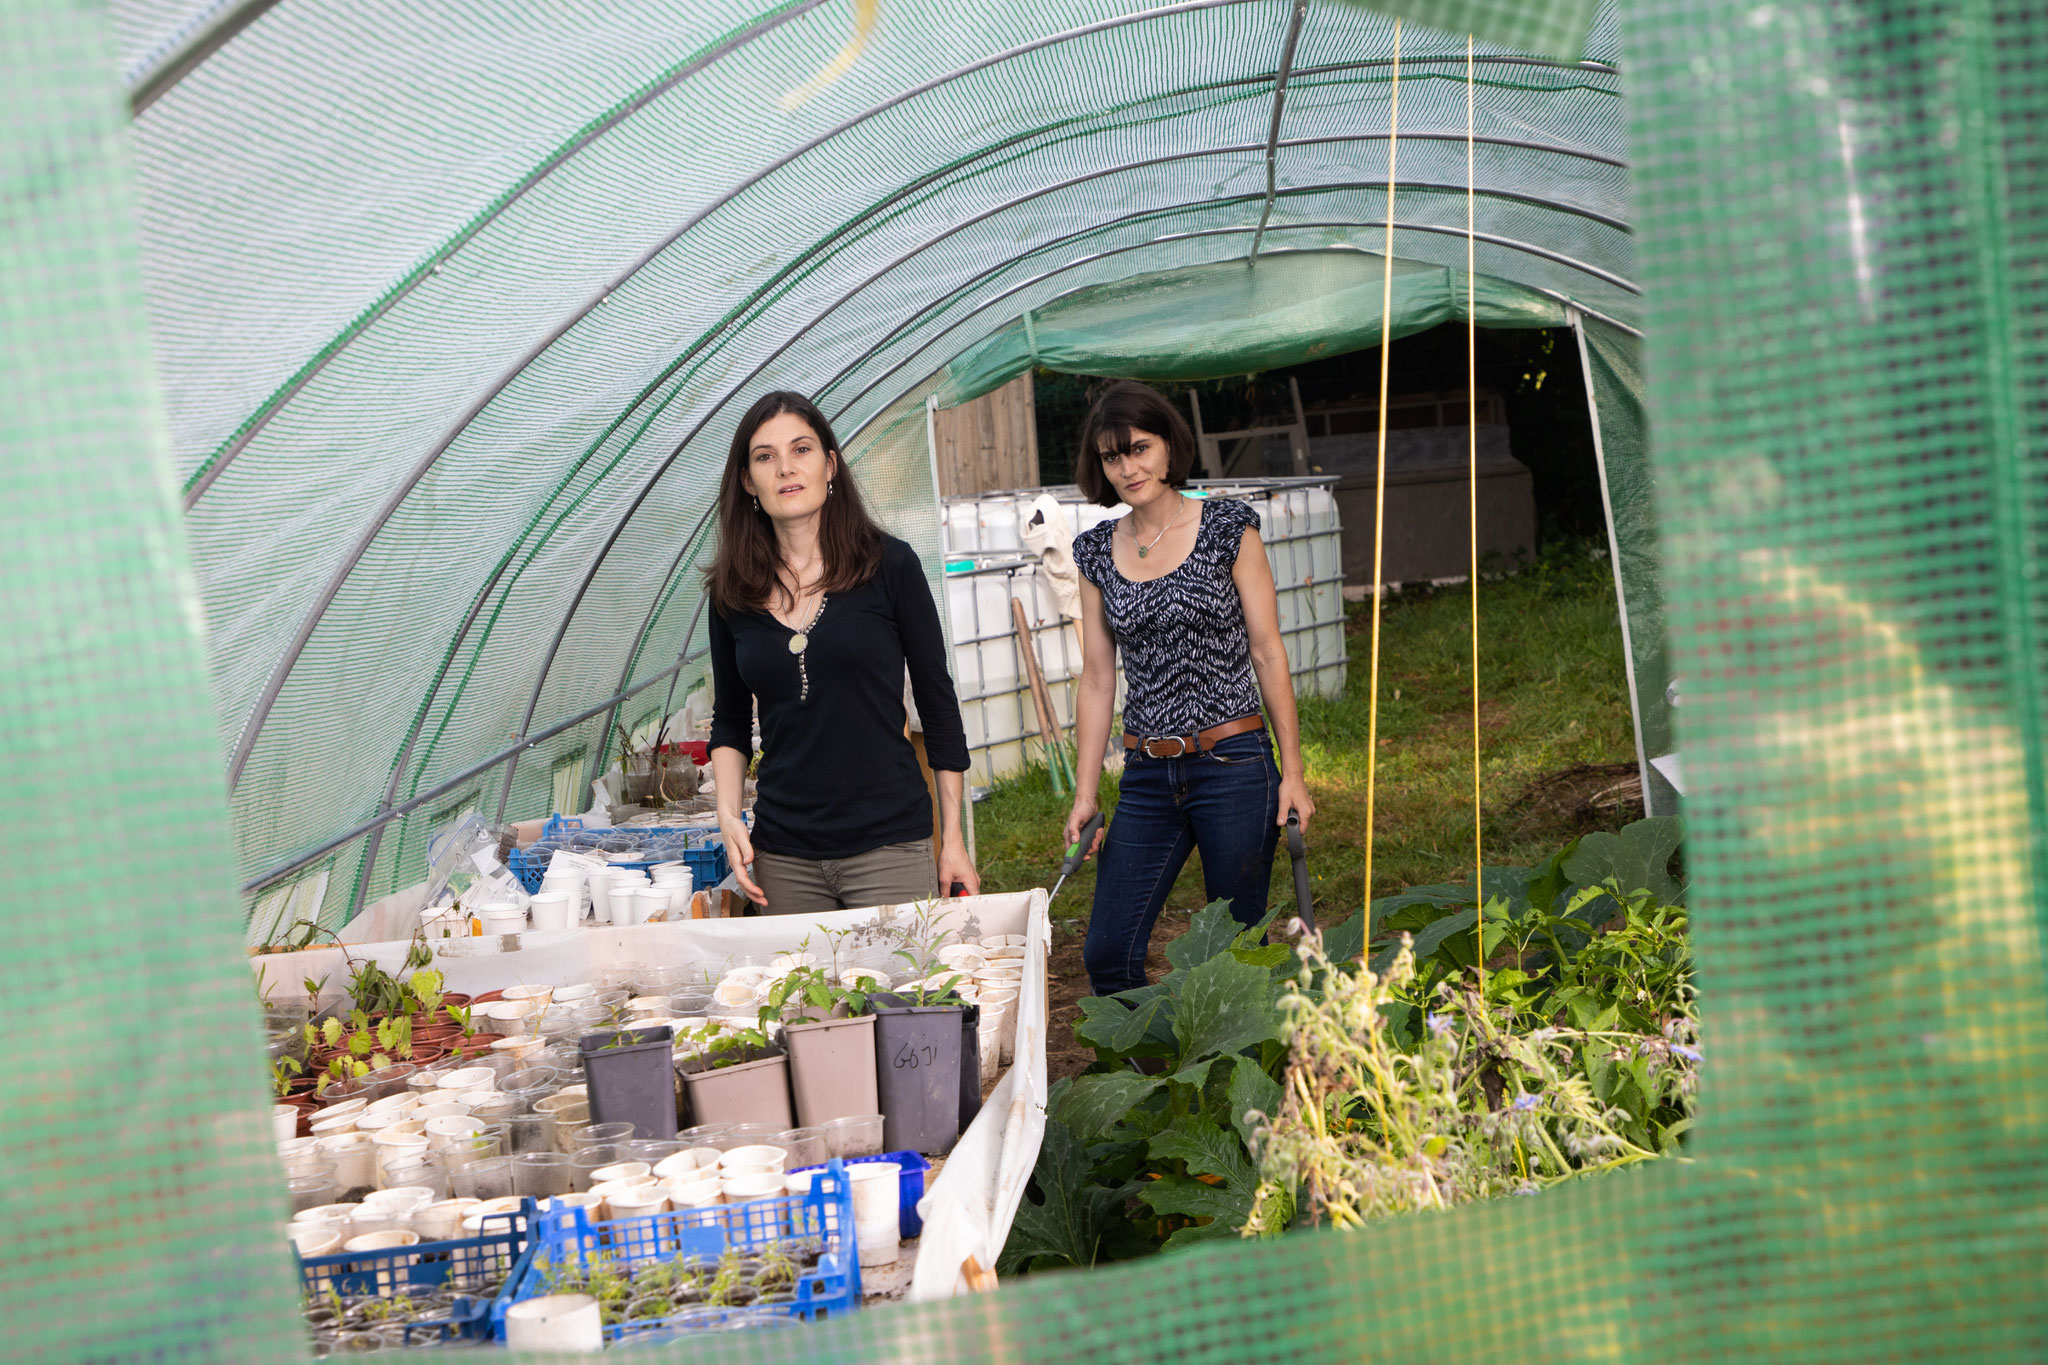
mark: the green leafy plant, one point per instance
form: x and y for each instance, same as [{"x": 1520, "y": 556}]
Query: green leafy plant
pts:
[
  {"x": 1564, "y": 1044},
  {"x": 283, "y": 1072},
  {"x": 718, "y": 1046}
]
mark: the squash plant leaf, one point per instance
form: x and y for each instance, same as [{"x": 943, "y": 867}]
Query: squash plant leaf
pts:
[
  {"x": 1225, "y": 1006},
  {"x": 1212, "y": 931},
  {"x": 1251, "y": 1089},
  {"x": 1226, "y": 1198},
  {"x": 1094, "y": 1104},
  {"x": 1066, "y": 1222},
  {"x": 1108, "y": 1024},
  {"x": 1636, "y": 859}
]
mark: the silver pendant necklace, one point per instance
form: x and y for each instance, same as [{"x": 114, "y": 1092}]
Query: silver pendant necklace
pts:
[
  {"x": 799, "y": 642},
  {"x": 1144, "y": 550}
]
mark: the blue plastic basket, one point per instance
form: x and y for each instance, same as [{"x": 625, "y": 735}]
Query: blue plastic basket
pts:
[
  {"x": 502, "y": 1252},
  {"x": 569, "y": 1237},
  {"x": 909, "y": 1221},
  {"x": 708, "y": 865}
]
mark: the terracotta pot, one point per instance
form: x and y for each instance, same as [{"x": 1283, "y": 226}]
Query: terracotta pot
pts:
[
  {"x": 486, "y": 998},
  {"x": 476, "y": 1045},
  {"x": 456, "y": 999},
  {"x": 437, "y": 1034},
  {"x": 428, "y": 1055}
]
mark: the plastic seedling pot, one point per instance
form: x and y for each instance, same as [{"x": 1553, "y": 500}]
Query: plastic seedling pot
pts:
[
  {"x": 633, "y": 1082},
  {"x": 832, "y": 1069},
  {"x": 917, "y": 1073},
  {"x": 751, "y": 1092},
  {"x": 970, "y": 1065}
]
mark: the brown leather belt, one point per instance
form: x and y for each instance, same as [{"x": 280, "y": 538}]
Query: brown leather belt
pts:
[{"x": 1202, "y": 740}]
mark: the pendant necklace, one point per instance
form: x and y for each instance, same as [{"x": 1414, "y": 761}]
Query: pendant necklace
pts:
[
  {"x": 799, "y": 641},
  {"x": 1144, "y": 550}
]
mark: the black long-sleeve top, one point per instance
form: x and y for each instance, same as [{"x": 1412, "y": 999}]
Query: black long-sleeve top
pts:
[{"x": 838, "y": 777}]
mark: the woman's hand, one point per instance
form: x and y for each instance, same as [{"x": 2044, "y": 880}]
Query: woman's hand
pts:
[
  {"x": 739, "y": 852},
  {"x": 956, "y": 866},
  {"x": 1083, "y": 811},
  {"x": 1294, "y": 797}
]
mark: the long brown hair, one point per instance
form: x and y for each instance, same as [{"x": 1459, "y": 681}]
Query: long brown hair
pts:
[{"x": 744, "y": 574}]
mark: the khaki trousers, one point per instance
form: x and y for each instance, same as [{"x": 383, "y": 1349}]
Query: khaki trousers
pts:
[{"x": 889, "y": 875}]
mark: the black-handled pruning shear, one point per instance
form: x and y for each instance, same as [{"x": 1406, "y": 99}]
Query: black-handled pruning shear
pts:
[
  {"x": 1298, "y": 851},
  {"x": 1077, "y": 852}
]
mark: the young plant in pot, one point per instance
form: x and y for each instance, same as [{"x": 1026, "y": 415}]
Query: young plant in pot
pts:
[
  {"x": 918, "y": 1035},
  {"x": 734, "y": 1076},
  {"x": 830, "y": 1037}
]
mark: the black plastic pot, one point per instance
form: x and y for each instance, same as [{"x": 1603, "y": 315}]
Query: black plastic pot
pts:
[
  {"x": 917, "y": 1068},
  {"x": 970, "y": 1065},
  {"x": 633, "y": 1082}
]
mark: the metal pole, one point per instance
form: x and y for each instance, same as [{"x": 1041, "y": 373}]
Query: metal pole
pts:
[{"x": 1273, "y": 133}]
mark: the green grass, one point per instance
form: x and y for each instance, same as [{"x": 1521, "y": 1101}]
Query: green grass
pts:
[{"x": 1553, "y": 698}]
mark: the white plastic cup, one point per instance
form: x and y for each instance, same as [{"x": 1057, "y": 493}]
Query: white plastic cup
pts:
[
  {"x": 877, "y": 1211},
  {"x": 552, "y": 912},
  {"x": 284, "y": 1122},
  {"x": 696, "y": 1194},
  {"x": 441, "y": 1221},
  {"x": 315, "y": 1239},
  {"x": 355, "y": 1159},
  {"x": 762, "y": 1157},
  {"x": 641, "y": 1201},
  {"x": 559, "y": 1322},
  {"x": 739, "y": 1189},
  {"x": 470, "y": 1078},
  {"x": 648, "y": 902}
]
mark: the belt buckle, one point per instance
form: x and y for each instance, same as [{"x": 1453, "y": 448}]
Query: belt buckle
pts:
[{"x": 1181, "y": 740}]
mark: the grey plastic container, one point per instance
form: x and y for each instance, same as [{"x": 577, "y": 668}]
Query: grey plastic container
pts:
[
  {"x": 917, "y": 1072},
  {"x": 832, "y": 1069},
  {"x": 970, "y": 1065},
  {"x": 634, "y": 1082}
]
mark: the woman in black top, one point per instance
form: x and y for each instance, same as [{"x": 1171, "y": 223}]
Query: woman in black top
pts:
[
  {"x": 817, "y": 616},
  {"x": 1181, "y": 586}
]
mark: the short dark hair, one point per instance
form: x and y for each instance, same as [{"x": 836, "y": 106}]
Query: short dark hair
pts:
[{"x": 1124, "y": 407}]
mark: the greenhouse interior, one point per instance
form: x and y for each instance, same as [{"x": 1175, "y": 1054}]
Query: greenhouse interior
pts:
[{"x": 1652, "y": 388}]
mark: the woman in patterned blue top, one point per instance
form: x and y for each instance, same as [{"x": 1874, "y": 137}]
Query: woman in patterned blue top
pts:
[{"x": 1182, "y": 588}]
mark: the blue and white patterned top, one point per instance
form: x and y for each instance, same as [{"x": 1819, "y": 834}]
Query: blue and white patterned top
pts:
[{"x": 1187, "y": 658}]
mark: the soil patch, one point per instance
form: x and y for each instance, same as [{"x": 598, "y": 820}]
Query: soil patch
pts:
[{"x": 1066, "y": 981}]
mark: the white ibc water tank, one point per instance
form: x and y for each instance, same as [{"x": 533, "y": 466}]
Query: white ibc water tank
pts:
[
  {"x": 999, "y": 525},
  {"x": 963, "y": 529}
]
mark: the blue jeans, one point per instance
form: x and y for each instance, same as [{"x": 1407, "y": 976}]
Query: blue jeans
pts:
[{"x": 1221, "y": 802}]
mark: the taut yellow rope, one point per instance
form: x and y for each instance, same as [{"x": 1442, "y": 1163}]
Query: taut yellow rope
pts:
[
  {"x": 1472, "y": 469},
  {"x": 1379, "y": 496}
]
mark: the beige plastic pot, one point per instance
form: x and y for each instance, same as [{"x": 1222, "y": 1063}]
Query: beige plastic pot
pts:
[
  {"x": 752, "y": 1092},
  {"x": 832, "y": 1069}
]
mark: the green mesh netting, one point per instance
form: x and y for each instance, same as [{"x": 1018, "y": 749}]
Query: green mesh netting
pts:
[{"x": 438, "y": 296}]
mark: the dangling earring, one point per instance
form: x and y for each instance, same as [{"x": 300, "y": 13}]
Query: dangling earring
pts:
[
  {"x": 757, "y": 504},
  {"x": 828, "y": 488}
]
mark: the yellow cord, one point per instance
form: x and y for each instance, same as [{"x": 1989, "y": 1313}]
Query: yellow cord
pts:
[
  {"x": 1472, "y": 468},
  {"x": 865, "y": 13},
  {"x": 1379, "y": 497}
]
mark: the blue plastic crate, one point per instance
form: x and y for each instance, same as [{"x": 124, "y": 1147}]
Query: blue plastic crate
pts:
[
  {"x": 569, "y": 1237},
  {"x": 909, "y": 1221},
  {"x": 708, "y": 865},
  {"x": 500, "y": 1252}
]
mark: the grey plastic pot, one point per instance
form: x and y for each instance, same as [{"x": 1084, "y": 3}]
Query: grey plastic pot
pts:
[
  {"x": 970, "y": 1066},
  {"x": 751, "y": 1092},
  {"x": 917, "y": 1072},
  {"x": 634, "y": 1082},
  {"x": 832, "y": 1069}
]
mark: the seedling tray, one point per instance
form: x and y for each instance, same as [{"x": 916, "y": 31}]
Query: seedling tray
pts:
[
  {"x": 502, "y": 1251},
  {"x": 708, "y": 865},
  {"x": 568, "y": 1237}
]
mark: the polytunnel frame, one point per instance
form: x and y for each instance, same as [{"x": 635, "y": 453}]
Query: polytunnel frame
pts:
[
  {"x": 527, "y": 738},
  {"x": 510, "y": 754},
  {"x": 273, "y": 688}
]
